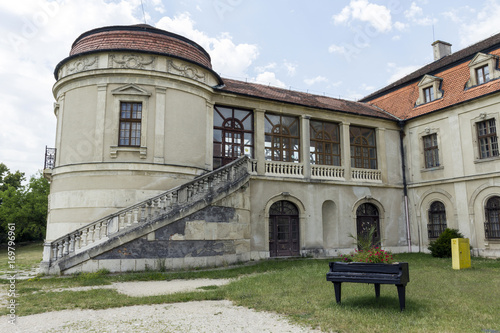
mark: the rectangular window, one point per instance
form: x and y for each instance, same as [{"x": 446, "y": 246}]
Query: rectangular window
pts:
[
  {"x": 428, "y": 94},
  {"x": 487, "y": 138},
  {"x": 130, "y": 124},
  {"x": 363, "y": 147},
  {"x": 482, "y": 74},
  {"x": 233, "y": 135},
  {"x": 431, "y": 151},
  {"x": 282, "y": 138},
  {"x": 325, "y": 143}
]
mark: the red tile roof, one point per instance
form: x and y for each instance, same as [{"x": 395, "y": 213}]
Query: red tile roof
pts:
[
  {"x": 399, "y": 98},
  {"x": 142, "y": 38},
  {"x": 303, "y": 99}
]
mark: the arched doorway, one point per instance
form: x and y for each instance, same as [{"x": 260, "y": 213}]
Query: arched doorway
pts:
[
  {"x": 284, "y": 229},
  {"x": 367, "y": 216}
]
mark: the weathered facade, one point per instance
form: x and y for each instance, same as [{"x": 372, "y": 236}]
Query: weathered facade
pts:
[{"x": 161, "y": 162}]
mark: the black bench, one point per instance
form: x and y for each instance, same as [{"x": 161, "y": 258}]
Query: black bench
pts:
[{"x": 377, "y": 274}]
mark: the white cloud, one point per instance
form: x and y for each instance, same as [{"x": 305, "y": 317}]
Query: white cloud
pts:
[
  {"x": 291, "y": 68},
  {"x": 262, "y": 69},
  {"x": 400, "y": 26},
  {"x": 317, "y": 79},
  {"x": 415, "y": 14},
  {"x": 481, "y": 24},
  {"x": 377, "y": 16},
  {"x": 336, "y": 49},
  {"x": 268, "y": 78},
  {"x": 228, "y": 58},
  {"x": 34, "y": 36},
  {"x": 398, "y": 72}
]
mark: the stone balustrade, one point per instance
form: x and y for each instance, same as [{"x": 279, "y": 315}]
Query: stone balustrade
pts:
[
  {"x": 366, "y": 175},
  {"x": 327, "y": 172},
  {"x": 99, "y": 231},
  {"x": 284, "y": 169}
]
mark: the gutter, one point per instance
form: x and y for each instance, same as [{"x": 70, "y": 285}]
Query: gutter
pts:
[{"x": 405, "y": 186}]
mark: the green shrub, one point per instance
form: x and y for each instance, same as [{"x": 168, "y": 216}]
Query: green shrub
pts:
[{"x": 441, "y": 247}]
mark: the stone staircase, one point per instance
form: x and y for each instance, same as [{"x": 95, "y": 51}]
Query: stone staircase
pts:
[{"x": 143, "y": 218}]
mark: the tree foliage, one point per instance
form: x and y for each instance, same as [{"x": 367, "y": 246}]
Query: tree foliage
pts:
[
  {"x": 24, "y": 206},
  {"x": 441, "y": 247}
]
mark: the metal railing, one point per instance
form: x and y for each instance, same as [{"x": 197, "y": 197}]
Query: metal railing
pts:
[{"x": 50, "y": 158}]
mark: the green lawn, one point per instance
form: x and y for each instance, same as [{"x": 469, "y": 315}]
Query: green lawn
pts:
[
  {"x": 438, "y": 298},
  {"x": 27, "y": 256}
]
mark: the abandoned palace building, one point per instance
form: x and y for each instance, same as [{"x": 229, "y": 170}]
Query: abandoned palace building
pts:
[{"x": 161, "y": 163}]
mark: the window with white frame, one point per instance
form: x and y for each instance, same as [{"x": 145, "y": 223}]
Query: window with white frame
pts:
[
  {"x": 431, "y": 150},
  {"x": 487, "y": 138},
  {"x": 429, "y": 89},
  {"x": 483, "y": 68}
]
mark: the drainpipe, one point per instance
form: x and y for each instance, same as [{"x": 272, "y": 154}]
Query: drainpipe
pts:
[{"x": 405, "y": 188}]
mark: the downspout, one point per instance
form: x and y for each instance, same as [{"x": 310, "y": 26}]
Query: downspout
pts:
[{"x": 405, "y": 188}]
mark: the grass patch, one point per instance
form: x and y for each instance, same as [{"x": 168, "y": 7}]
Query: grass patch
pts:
[
  {"x": 438, "y": 298},
  {"x": 28, "y": 256}
]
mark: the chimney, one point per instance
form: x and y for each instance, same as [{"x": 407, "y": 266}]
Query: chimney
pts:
[{"x": 441, "y": 49}]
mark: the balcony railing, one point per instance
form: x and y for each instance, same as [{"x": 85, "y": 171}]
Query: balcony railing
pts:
[
  {"x": 366, "y": 175},
  {"x": 50, "y": 158},
  {"x": 284, "y": 169},
  {"x": 327, "y": 172}
]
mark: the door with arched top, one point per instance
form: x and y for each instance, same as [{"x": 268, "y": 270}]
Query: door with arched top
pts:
[
  {"x": 284, "y": 229},
  {"x": 367, "y": 217}
]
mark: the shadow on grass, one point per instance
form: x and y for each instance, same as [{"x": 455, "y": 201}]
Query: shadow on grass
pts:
[{"x": 388, "y": 303}]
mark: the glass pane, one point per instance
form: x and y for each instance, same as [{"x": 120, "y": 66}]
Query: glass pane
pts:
[
  {"x": 225, "y": 112},
  {"x": 217, "y": 119},
  {"x": 217, "y": 135},
  {"x": 248, "y": 139}
]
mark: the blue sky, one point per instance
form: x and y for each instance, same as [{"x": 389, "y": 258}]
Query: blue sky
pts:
[{"x": 342, "y": 48}]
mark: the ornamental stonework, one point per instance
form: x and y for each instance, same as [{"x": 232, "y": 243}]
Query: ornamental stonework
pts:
[
  {"x": 80, "y": 65},
  {"x": 131, "y": 61},
  {"x": 185, "y": 70}
]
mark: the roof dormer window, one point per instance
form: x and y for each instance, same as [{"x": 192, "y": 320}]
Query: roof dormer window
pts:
[
  {"x": 429, "y": 89},
  {"x": 482, "y": 74},
  {"x": 483, "y": 68}
]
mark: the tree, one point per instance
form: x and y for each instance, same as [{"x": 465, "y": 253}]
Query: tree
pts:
[{"x": 23, "y": 206}]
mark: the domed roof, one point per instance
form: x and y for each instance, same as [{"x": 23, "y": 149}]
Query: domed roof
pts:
[{"x": 139, "y": 38}]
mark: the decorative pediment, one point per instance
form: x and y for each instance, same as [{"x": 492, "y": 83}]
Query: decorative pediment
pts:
[
  {"x": 428, "y": 80},
  {"x": 131, "y": 89},
  {"x": 481, "y": 59}
]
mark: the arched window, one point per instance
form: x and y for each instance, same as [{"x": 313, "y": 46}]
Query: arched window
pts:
[
  {"x": 437, "y": 219},
  {"x": 492, "y": 223},
  {"x": 367, "y": 217},
  {"x": 283, "y": 229}
]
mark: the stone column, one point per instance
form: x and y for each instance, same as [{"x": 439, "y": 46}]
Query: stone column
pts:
[
  {"x": 381, "y": 152},
  {"x": 102, "y": 91},
  {"x": 305, "y": 144},
  {"x": 160, "y": 110},
  {"x": 345, "y": 152},
  {"x": 259, "y": 140},
  {"x": 209, "y": 148}
]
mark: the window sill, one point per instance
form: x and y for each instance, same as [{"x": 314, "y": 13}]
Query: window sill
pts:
[
  {"x": 486, "y": 159},
  {"x": 115, "y": 149},
  {"x": 432, "y": 169}
]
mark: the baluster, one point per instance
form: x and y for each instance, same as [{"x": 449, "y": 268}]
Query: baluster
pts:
[
  {"x": 174, "y": 197},
  {"x": 121, "y": 223},
  {"x": 77, "y": 241},
  {"x": 90, "y": 235},
  {"x": 163, "y": 206},
  {"x": 54, "y": 251},
  {"x": 143, "y": 213},
  {"x": 59, "y": 250},
  {"x": 72, "y": 243},
  {"x": 65, "y": 246},
  {"x": 105, "y": 228},
  {"x": 135, "y": 213},
  {"x": 97, "y": 232},
  {"x": 84, "y": 238},
  {"x": 129, "y": 219}
]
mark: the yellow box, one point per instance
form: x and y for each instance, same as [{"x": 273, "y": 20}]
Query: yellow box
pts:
[{"x": 460, "y": 253}]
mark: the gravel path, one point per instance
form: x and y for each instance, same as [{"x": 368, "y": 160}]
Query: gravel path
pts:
[{"x": 206, "y": 316}]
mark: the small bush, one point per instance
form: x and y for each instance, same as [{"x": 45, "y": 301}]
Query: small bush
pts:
[
  {"x": 373, "y": 255},
  {"x": 441, "y": 247}
]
